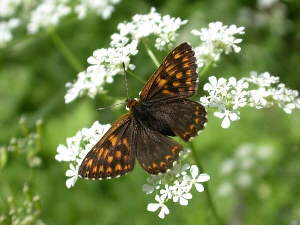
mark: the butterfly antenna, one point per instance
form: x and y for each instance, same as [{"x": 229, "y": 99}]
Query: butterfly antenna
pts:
[
  {"x": 126, "y": 81},
  {"x": 107, "y": 107}
]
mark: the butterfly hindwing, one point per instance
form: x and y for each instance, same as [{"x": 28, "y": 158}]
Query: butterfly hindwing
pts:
[
  {"x": 113, "y": 155},
  {"x": 155, "y": 152},
  {"x": 186, "y": 121},
  {"x": 175, "y": 78}
]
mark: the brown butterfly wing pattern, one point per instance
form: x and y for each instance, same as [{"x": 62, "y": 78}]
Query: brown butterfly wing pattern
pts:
[
  {"x": 163, "y": 110},
  {"x": 113, "y": 155},
  {"x": 175, "y": 78},
  {"x": 156, "y": 152}
]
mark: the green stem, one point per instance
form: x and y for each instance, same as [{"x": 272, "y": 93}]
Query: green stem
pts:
[
  {"x": 206, "y": 68},
  {"x": 151, "y": 55},
  {"x": 206, "y": 188},
  {"x": 67, "y": 53},
  {"x": 135, "y": 76}
]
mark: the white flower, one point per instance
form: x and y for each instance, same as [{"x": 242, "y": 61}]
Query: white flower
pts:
[
  {"x": 267, "y": 95},
  {"x": 47, "y": 14},
  {"x": 175, "y": 185},
  {"x": 167, "y": 193},
  {"x": 6, "y": 30},
  {"x": 227, "y": 166},
  {"x": 182, "y": 197},
  {"x": 225, "y": 189},
  {"x": 196, "y": 178},
  {"x": 215, "y": 86},
  {"x": 164, "y": 28},
  {"x": 155, "y": 206},
  {"x": 262, "y": 80},
  {"x": 77, "y": 148},
  {"x": 105, "y": 64},
  {"x": 109, "y": 61},
  {"x": 244, "y": 180},
  {"x": 103, "y": 8},
  {"x": 216, "y": 39},
  {"x": 73, "y": 174},
  {"x": 244, "y": 168},
  {"x": 226, "y": 115},
  {"x": 9, "y": 7},
  {"x": 152, "y": 185}
]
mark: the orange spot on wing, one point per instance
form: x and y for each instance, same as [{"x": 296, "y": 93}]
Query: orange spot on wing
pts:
[
  {"x": 118, "y": 154},
  {"x": 161, "y": 82},
  {"x": 125, "y": 142},
  {"x": 118, "y": 167},
  {"x": 89, "y": 163},
  {"x": 113, "y": 140},
  {"x": 110, "y": 159},
  {"x": 179, "y": 75},
  {"x": 170, "y": 68},
  {"x": 176, "y": 83},
  {"x": 177, "y": 55},
  {"x": 109, "y": 170}
]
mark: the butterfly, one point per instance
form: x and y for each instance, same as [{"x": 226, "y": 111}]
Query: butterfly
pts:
[{"x": 163, "y": 110}]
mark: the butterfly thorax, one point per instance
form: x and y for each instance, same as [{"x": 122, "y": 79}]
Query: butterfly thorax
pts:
[{"x": 143, "y": 114}]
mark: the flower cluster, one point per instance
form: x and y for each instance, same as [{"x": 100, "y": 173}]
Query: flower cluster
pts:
[
  {"x": 216, "y": 39},
  {"x": 174, "y": 185},
  {"x": 107, "y": 62},
  {"x": 267, "y": 95},
  {"x": 103, "y": 8},
  {"x": 6, "y": 30},
  {"x": 47, "y": 14},
  {"x": 9, "y": 7},
  {"x": 228, "y": 96},
  {"x": 164, "y": 27},
  {"x": 37, "y": 15},
  {"x": 77, "y": 148},
  {"x": 244, "y": 168}
]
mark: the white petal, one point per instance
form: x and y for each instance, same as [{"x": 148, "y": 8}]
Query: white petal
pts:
[
  {"x": 233, "y": 116},
  {"x": 203, "y": 177},
  {"x": 199, "y": 187},
  {"x": 164, "y": 211},
  {"x": 152, "y": 207},
  {"x": 225, "y": 123},
  {"x": 194, "y": 171},
  {"x": 183, "y": 201}
]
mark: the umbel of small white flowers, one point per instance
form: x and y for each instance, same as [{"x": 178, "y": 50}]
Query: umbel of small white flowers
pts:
[
  {"x": 174, "y": 185},
  {"x": 230, "y": 95},
  {"x": 38, "y": 15}
]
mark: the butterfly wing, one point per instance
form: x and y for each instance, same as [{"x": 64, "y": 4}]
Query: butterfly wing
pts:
[
  {"x": 164, "y": 96},
  {"x": 184, "y": 117},
  {"x": 175, "y": 78},
  {"x": 113, "y": 155},
  {"x": 156, "y": 153}
]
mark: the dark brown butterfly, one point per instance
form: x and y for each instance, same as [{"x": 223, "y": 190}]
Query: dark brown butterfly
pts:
[{"x": 163, "y": 110}]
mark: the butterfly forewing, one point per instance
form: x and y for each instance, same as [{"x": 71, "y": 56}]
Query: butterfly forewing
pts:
[
  {"x": 113, "y": 155},
  {"x": 176, "y": 77}
]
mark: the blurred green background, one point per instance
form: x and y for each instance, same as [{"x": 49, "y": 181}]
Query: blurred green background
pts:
[{"x": 33, "y": 74}]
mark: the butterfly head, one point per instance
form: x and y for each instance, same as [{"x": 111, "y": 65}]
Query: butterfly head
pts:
[{"x": 130, "y": 103}]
